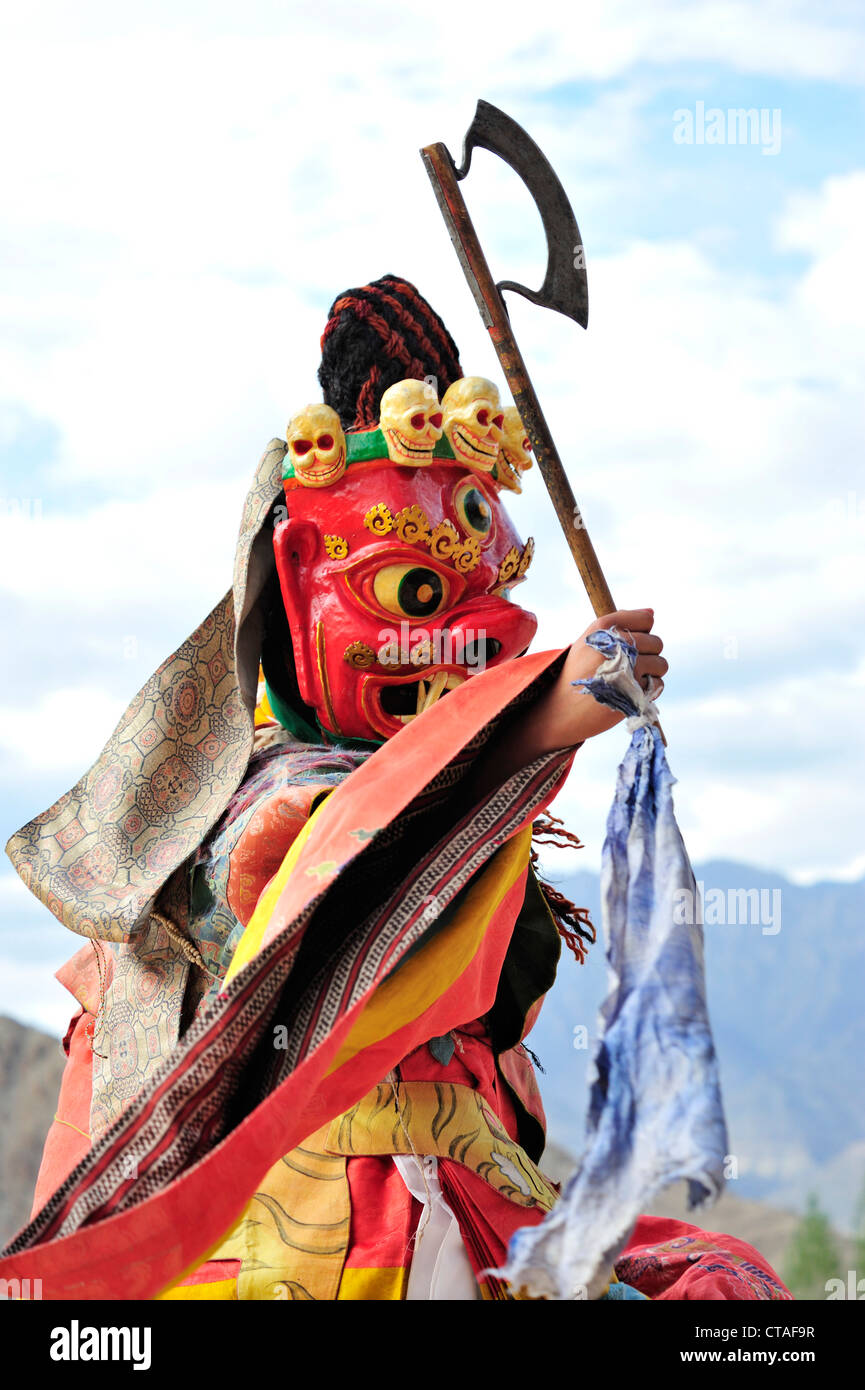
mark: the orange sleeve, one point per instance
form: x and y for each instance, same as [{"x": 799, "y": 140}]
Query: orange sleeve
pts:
[
  {"x": 69, "y": 1136},
  {"x": 265, "y": 842}
]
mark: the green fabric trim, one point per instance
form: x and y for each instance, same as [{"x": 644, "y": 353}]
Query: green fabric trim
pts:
[
  {"x": 297, "y": 725},
  {"x": 369, "y": 444},
  {"x": 289, "y": 718},
  {"x": 340, "y": 740}
]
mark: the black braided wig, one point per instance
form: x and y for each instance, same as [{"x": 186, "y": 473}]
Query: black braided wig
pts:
[{"x": 375, "y": 336}]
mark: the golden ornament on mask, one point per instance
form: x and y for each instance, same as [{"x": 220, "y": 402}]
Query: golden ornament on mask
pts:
[
  {"x": 359, "y": 655},
  {"x": 421, "y": 653},
  {"x": 413, "y": 528},
  {"x": 468, "y": 555},
  {"x": 444, "y": 540},
  {"x": 509, "y": 565},
  {"x": 526, "y": 557},
  {"x": 336, "y": 547},
  {"x": 412, "y": 525},
  {"x": 379, "y": 519}
]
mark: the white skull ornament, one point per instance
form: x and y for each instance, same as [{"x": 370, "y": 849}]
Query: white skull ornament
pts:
[
  {"x": 473, "y": 419},
  {"x": 515, "y": 456},
  {"x": 316, "y": 446},
  {"x": 410, "y": 418}
]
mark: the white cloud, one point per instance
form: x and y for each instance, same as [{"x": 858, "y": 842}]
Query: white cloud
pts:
[
  {"x": 121, "y": 551},
  {"x": 457, "y": 44},
  {"x": 61, "y": 732},
  {"x": 831, "y": 294}
]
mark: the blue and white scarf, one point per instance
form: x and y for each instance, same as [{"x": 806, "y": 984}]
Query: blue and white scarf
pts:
[{"x": 655, "y": 1112}]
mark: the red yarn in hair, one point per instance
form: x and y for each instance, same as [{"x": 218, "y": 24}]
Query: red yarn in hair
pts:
[{"x": 376, "y": 335}]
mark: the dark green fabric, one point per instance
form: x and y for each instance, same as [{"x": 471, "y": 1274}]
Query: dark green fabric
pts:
[
  {"x": 368, "y": 444},
  {"x": 289, "y": 718}
]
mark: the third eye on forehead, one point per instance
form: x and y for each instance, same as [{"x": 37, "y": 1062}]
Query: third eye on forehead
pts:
[{"x": 474, "y": 509}]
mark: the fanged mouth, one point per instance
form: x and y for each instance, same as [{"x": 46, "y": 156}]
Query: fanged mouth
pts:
[{"x": 406, "y": 700}]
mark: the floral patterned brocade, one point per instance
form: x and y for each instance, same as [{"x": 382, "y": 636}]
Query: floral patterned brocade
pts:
[
  {"x": 672, "y": 1260},
  {"x": 151, "y": 993},
  {"x": 99, "y": 856}
]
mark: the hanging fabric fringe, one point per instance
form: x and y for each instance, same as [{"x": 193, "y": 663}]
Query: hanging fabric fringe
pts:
[
  {"x": 573, "y": 923},
  {"x": 655, "y": 1114}
]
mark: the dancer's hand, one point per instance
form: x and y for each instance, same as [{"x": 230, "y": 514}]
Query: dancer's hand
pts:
[
  {"x": 565, "y": 716},
  {"x": 569, "y": 715}
]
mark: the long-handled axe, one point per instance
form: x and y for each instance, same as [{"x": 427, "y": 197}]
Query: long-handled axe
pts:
[{"x": 565, "y": 289}]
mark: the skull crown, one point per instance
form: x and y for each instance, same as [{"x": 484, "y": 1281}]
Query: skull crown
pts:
[
  {"x": 316, "y": 446},
  {"x": 410, "y": 418},
  {"x": 515, "y": 455},
  {"x": 473, "y": 420},
  {"x": 469, "y": 427}
]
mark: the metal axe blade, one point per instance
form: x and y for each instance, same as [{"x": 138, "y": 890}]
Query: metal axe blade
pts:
[
  {"x": 565, "y": 289},
  {"x": 501, "y": 135},
  {"x": 566, "y": 286}
]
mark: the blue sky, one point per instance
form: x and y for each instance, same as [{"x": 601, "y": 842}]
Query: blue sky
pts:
[{"x": 188, "y": 186}]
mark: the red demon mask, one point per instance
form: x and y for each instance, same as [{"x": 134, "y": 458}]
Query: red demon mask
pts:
[{"x": 394, "y": 576}]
